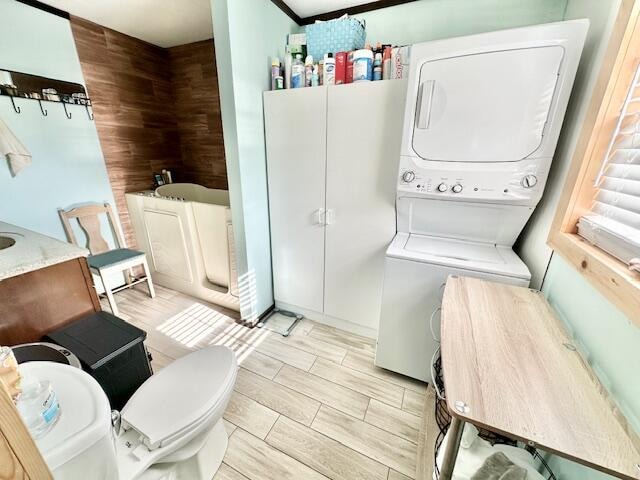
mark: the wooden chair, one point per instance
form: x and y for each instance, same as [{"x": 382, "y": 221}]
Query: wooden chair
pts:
[{"x": 103, "y": 261}]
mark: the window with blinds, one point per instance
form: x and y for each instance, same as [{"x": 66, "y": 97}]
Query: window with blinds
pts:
[{"x": 613, "y": 224}]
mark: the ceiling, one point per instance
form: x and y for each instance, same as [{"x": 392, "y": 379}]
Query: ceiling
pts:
[
  {"x": 168, "y": 23},
  {"x": 311, "y": 8},
  {"x": 165, "y": 23}
]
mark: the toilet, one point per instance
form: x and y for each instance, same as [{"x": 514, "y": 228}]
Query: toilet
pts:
[{"x": 171, "y": 428}]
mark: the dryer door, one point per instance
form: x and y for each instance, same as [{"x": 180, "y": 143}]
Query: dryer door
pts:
[{"x": 485, "y": 107}]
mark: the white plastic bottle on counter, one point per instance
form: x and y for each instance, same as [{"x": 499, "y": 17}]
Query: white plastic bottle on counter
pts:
[
  {"x": 329, "y": 69},
  {"x": 297, "y": 72}
]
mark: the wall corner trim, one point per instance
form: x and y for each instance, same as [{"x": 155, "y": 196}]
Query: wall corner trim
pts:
[{"x": 45, "y": 8}]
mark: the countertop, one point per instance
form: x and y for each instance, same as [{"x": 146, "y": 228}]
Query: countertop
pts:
[
  {"x": 511, "y": 367},
  {"x": 33, "y": 251}
]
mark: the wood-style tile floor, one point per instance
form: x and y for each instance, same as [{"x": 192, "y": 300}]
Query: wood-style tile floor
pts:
[{"x": 310, "y": 406}]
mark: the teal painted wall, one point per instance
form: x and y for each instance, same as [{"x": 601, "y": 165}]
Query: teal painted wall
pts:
[
  {"x": 609, "y": 340},
  {"x": 248, "y": 33},
  {"x": 68, "y": 167},
  {"x": 532, "y": 246},
  {"x": 426, "y": 20}
]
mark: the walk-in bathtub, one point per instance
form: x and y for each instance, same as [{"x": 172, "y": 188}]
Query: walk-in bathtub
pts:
[{"x": 187, "y": 234}]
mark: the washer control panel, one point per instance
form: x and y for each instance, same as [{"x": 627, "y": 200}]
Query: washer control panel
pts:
[{"x": 514, "y": 182}]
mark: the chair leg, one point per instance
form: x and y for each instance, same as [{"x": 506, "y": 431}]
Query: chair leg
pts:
[
  {"x": 109, "y": 294},
  {"x": 145, "y": 266},
  {"x": 128, "y": 276}
]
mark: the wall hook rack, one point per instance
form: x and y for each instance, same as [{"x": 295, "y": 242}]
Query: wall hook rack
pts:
[
  {"x": 42, "y": 109},
  {"x": 66, "y": 112},
  {"x": 15, "y": 108}
]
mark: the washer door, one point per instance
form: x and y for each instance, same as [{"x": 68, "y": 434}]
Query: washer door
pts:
[{"x": 486, "y": 107}]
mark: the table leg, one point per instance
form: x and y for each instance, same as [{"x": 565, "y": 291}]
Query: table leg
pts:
[{"x": 453, "y": 445}]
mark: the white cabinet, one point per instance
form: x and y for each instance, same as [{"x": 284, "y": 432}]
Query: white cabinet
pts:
[
  {"x": 332, "y": 159},
  {"x": 296, "y": 136}
]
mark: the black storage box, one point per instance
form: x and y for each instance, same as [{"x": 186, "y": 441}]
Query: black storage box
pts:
[{"x": 109, "y": 349}]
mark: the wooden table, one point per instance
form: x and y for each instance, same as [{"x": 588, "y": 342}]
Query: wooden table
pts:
[{"x": 510, "y": 367}]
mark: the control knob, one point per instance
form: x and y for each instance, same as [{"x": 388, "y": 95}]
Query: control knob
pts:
[
  {"x": 408, "y": 176},
  {"x": 529, "y": 181},
  {"x": 457, "y": 188},
  {"x": 443, "y": 187}
]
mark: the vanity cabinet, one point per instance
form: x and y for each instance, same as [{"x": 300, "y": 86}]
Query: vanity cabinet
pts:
[
  {"x": 332, "y": 162},
  {"x": 40, "y": 301}
]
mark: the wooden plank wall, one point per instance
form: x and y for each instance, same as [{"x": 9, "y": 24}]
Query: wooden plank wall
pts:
[
  {"x": 141, "y": 113},
  {"x": 197, "y": 103}
]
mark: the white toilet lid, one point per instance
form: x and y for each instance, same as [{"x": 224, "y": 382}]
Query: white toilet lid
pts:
[
  {"x": 173, "y": 401},
  {"x": 85, "y": 415}
]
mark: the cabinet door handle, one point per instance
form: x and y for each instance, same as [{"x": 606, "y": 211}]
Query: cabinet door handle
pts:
[
  {"x": 328, "y": 218},
  {"x": 424, "y": 104},
  {"x": 320, "y": 216}
]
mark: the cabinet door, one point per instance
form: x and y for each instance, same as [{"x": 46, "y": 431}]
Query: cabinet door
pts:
[
  {"x": 364, "y": 129},
  {"x": 295, "y": 128}
]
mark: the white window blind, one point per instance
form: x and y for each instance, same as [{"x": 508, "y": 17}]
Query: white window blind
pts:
[{"x": 613, "y": 224}]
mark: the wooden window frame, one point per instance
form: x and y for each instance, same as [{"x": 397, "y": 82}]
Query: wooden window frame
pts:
[{"x": 609, "y": 275}]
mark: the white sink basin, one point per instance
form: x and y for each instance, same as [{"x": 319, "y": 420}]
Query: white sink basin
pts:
[{"x": 6, "y": 242}]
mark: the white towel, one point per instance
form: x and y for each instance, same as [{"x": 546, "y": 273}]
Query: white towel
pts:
[{"x": 10, "y": 147}]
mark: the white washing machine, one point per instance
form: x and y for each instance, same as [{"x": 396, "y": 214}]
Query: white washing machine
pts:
[
  {"x": 416, "y": 270},
  {"x": 482, "y": 121}
]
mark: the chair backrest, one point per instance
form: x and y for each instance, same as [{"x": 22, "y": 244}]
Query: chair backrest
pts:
[{"x": 88, "y": 218}]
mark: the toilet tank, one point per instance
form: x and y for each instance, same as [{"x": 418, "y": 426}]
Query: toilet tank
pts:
[{"x": 82, "y": 440}]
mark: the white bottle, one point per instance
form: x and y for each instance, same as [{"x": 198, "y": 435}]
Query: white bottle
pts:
[
  {"x": 288, "y": 63},
  {"x": 329, "y": 77},
  {"x": 308, "y": 71},
  {"x": 297, "y": 72}
]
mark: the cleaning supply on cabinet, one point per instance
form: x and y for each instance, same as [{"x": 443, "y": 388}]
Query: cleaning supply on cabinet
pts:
[
  {"x": 288, "y": 63},
  {"x": 400, "y": 58},
  {"x": 279, "y": 82},
  {"x": 321, "y": 72},
  {"x": 329, "y": 76},
  {"x": 297, "y": 72},
  {"x": 10, "y": 377},
  {"x": 308, "y": 70},
  {"x": 297, "y": 44},
  {"x": 386, "y": 63},
  {"x": 362, "y": 65},
  {"x": 341, "y": 67},
  {"x": 275, "y": 72},
  {"x": 377, "y": 67},
  {"x": 315, "y": 80},
  {"x": 38, "y": 406},
  {"x": 348, "y": 77}
]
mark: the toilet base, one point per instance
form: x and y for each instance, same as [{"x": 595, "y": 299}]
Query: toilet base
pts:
[{"x": 202, "y": 465}]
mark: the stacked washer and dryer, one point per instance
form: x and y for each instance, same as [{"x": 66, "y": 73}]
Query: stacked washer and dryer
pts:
[{"x": 482, "y": 121}]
